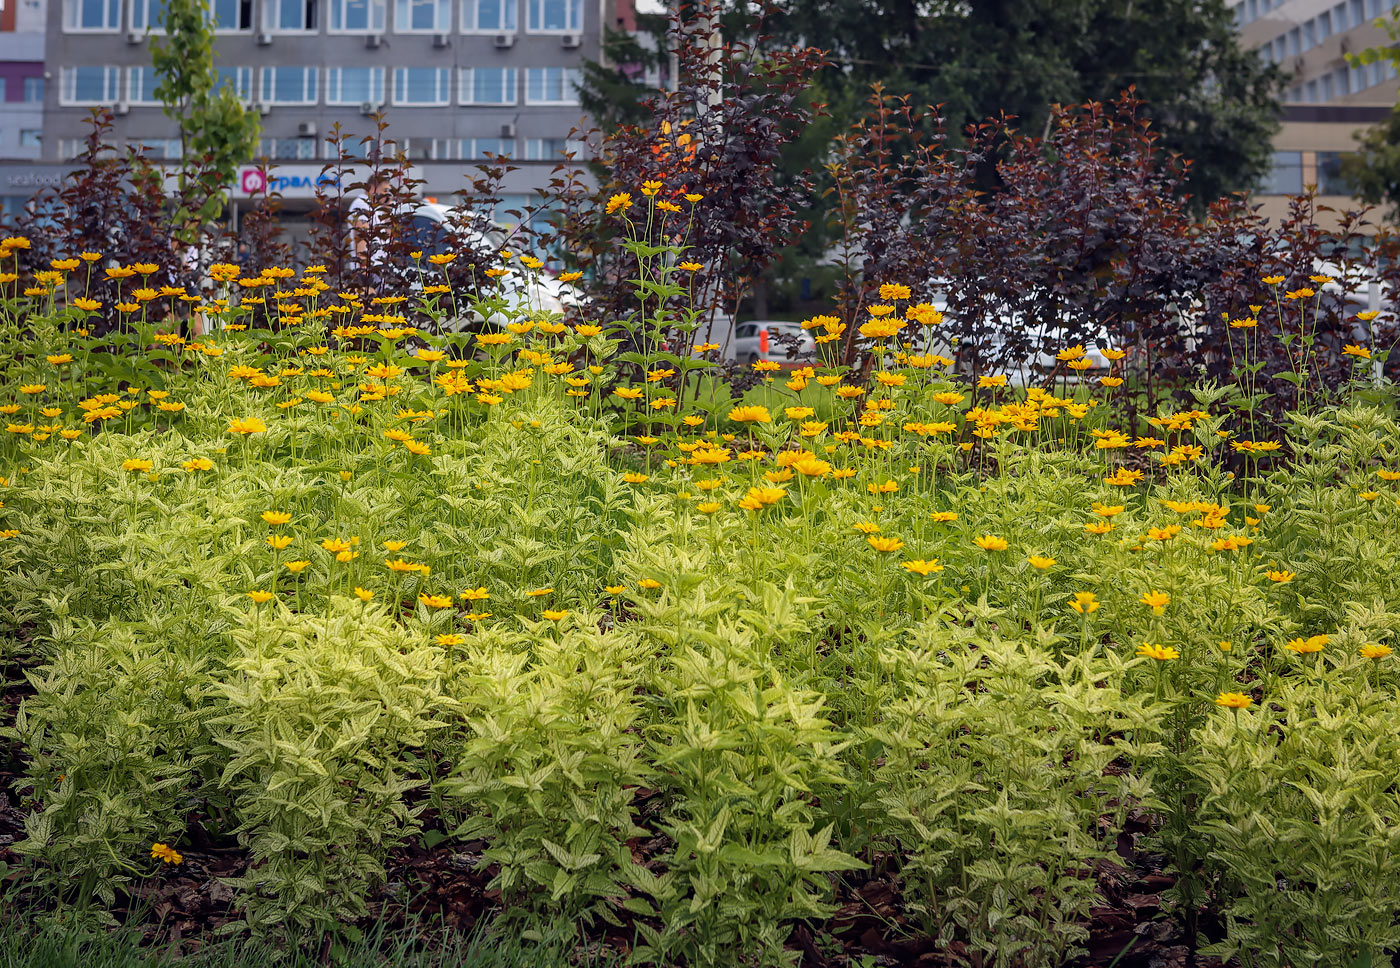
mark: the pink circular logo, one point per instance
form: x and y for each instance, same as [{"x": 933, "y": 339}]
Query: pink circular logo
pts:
[{"x": 253, "y": 181}]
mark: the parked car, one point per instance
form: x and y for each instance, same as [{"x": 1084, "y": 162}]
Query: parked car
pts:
[
  {"x": 432, "y": 227},
  {"x": 776, "y": 340}
]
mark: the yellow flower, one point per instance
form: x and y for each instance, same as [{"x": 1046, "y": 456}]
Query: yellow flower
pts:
[
  {"x": 540, "y": 591},
  {"x": 555, "y": 615},
  {"x": 436, "y": 601},
  {"x": 166, "y": 854},
  {"x": 260, "y": 596},
  {"x": 1106, "y": 510},
  {"x": 943, "y": 517},
  {"x": 1098, "y": 527},
  {"x": 750, "y": 414},
  {"x": 707, "y": 507},
  {"x": 362, "y": 594},
  {"x": 1040, "y": 562},
  {"x": 1313, "y": 643},
  {"x": 1352, "y": 349},
  {"x": 1164, "y": 534},
  {"x": 1233, "y": 700},
  {"x": 247, "y": 425},
  {"x": 276, "y": 517},
  {"x": 1085, "y": 603},
  {"x": 649, "y": 584},
  {"x": 1372, "y": 651},
  {"x": 989, "y": 382},
  {"x": 1157, "y": 601},
  {"x": 279, "y": 541},
  {"x": 136, "y": 464},
  {"x": 922, "y": 567},
  {"x": 1280, "y": 576},
  {"x": 296, "y": 566},
  {"x": 1161, "y": 653},
  {"x": 198, "y": 464},
  {"x": 883, "y": 544},
  {"x": 990, "y": 542},
  {"x": 632, "y": 477},
  {"x": 476, "y": 594},
  {"x": 449, "y": 638}
]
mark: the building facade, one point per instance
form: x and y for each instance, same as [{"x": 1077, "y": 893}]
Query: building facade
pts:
[
  {"x": 456, "y": 80},
  {"x": 1327, "y": 101},
  {"x": 22, "y": 25}
]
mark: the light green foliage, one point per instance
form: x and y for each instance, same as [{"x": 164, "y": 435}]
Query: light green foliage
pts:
[
  {"x": 116, "y": 741},
  {"x": 1302, "y": 822},
  {"x": 551, "y": 763},
  {"x": 996, "y": 788},
  {"x": 319, "y": 715}
]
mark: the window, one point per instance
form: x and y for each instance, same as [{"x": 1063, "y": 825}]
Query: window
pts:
[
  {"x": 290, "y": 14},
  {"x": 354, "y": 85},
  {"x": 1309, "y": 38},
  {"x": 1286, "y": 177},
  {"x": 287, "y": 149},
  {"x": 238, "y": 78},
  {"x": 1358, "y": 12},
  {"x": 564, "y": 16},
  {"x": 141, "y": 84},
  {"x": 544, "y": 149},
  {"x": 30, "y": 137},
  {"x": 470, "y": 149},
  {"x": 2, "y": 89},
  {"x": 1324, "y": 26},
  {"x": 362, "y": 16},
  {"x": 551, "y": 85},
  {"x": 156, "y": 149},
  {"x": 288, "y": 85},
  {"x": 89, "y": 85},
  {"x": 92, "y": 15},
  {"x": 1294, "y": 42},
  {"x": 1329, "y": 174},
  {"x": 489, "y": 16},
  {"x": 422, "y": 85},
  {"x": 1327, "y": 90},
  {"x": 34, "y": 90},
  {"x": 148, "y": 14},
  {"x": 232, "y": 14},
  {"x": 488, "y": 85},
  {"x": 1311, "y": 92},
  {"x": 1339, "y": 18},
  {"x": 428, "y": 15}
]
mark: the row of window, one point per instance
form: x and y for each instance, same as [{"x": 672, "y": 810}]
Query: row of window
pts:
[
  {"x": 32, "y": 92},
  {"x": 411, "y": 87},
  {"x": 1286, "y": 176},
  {"x": 1315, "y": 30},
  {"x": 343, "y": 16},
  {"x": 1349, "y": 13},
  {"x": 1339, "y": 83},
  {"x": 313, "y": 149}
]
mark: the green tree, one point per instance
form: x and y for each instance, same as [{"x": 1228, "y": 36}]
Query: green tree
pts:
[
  {"x": 217, "y": 133},
  {"x": 1374, "y": 171}
]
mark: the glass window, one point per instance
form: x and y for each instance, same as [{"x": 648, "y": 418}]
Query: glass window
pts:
[
  {"x": 1358, "y": 12},
  {"x": 1326, "y": 89},
  {"x": 354, "y": 85},
  {"x": 422, "y": 85},
  {"x": 488, "y": 85},
  {"x": 141, "y": 84},
  {"x": 1309, "y": 36},
  {"x": 289, "y": 85},
  {"x": 1294, "y": 41},
  {"x": 489, "y": 16},
  {"x": 290, "y": 14},
  {"x": 364, "y": 16},
  {"x": 238, "y": 78},
  {"x": 551, "y": 85},
  {"x": 287, "y": 149},
  {"x": 1286, "y": 176},
  {"x": 148, "y": 14},
  {"x": 544, "y": 149},
  {"x": 428, "y": 15},
  {"x": 92, "y": 15},
  {"x": 89, "y": 85},
  {"x": 232, "y": 14},
  {"x": 565, "y": 16},
  {"x": 156, "y": 149},
  {"x": 1329, "y": 174},
  {"x": 34, "y": 90},
  {"x": 1310, "y": 92},
  {"x": 30, "y": 137},
  {"x": 1324, "y": 26}
]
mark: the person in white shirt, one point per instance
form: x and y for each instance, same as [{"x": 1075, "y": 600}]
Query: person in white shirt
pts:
[{"x": 367, "y": 215}]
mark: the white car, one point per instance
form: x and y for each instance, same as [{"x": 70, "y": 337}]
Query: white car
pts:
[
  {"x": 774, "y": 340},
  {"x": 432, "y": 227}
]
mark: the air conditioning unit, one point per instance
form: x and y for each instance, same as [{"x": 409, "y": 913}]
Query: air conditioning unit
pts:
[
  {"x": 264, "y": 40},
  {"x": 263, "y": 107},
  {"x": 374, "y": 41},
  {"x": 134, "y": 37},
  {"x": 121, "y": 107},
  {"x": 570, "y": 41},
  {"x": 508, "y": 129},
  {"x": 307, "y": 129},
  {"x": 504, "y": 41},
  {"x": 440, "y": 40},
  {"x": 369, "y": 107}
]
